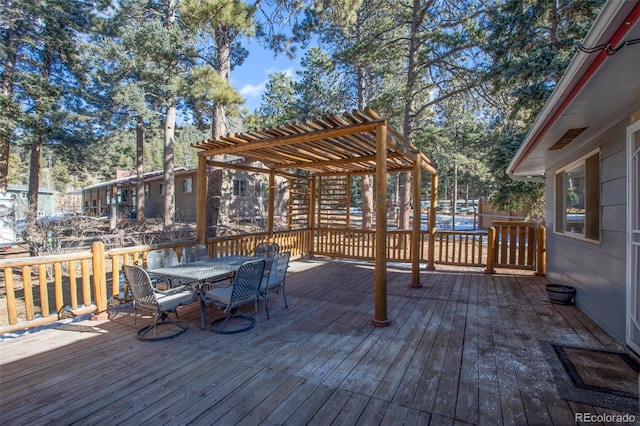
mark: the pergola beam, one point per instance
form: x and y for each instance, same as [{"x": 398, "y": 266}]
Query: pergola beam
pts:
[
  {"x": 320, "y": 164},
  {"x": 293, "y": 139},
  {"x": 223, "y": 165}
]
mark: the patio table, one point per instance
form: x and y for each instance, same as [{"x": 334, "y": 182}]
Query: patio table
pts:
[{"x": 202, "y": 271}]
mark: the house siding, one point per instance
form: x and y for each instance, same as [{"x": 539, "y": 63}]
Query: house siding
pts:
[
  {"x": 597, "y": 270},
  {"x": 250, "y": 207}
]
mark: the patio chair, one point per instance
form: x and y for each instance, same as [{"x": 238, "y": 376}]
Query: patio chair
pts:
[
  {"x": 159, "y": 303},
  {"x": 242, "y": 291},
  {"x": 162, "y": 258},
  {"x": 194, "y": 253},
  {"x": 274, "y": 282},
  {"x": 265, "y": 249}
]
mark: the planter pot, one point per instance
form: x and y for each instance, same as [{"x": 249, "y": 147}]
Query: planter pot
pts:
[{"x": 561, "y": 294}]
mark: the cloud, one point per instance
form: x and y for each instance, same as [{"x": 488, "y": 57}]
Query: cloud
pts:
[
  {"x": 288, "y": 71},
  {"x": 252, "y": 93},
  {"x": 252, "y": 90}
]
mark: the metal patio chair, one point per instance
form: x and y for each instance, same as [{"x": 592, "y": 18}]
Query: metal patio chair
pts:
[
  {"x": 266, "y": 250},
  {"x": 162, "y": 258},
  {"x": 194, "y": 253},
  {"x": 243, "y": 290},
  {"x": 159, "y": 303},
  {"x": 275, "y": 280}
]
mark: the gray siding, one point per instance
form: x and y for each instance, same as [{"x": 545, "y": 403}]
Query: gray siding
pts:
[{"x": 597, "y": 270}]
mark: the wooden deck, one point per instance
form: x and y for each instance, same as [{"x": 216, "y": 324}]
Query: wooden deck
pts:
[{"x": 464, "y": 349}]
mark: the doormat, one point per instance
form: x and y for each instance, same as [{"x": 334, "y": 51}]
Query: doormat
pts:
[{"x": 596, "y": 377}]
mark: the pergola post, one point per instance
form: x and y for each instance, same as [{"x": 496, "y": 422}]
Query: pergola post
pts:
[
  {"x": 380, "y": 291},
  {"x": 201, "y": 206},
  {"x": 311, "y": 216},
  {"x": 432, "y": 222},
  {"x": 271, "y": 202},
  {"x": 415, "y": 232}
]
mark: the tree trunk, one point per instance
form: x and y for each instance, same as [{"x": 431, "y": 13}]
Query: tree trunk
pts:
[
  {"x": 454, "y": 195},
  {"x": 410, "y": 110},
  {"x": 140, "y": 201},
  {"x": 214, "y": 191},
  {"x": 366, "y": 184},
  {"x": 169, "y": 175},
  {"x": 367, "y": 201},
  {"x": 34, "y": 181},
  {"x": 169, "y": 136},
  {"x": 218, "y": 128},
  {"x": 11, "y": 42}
]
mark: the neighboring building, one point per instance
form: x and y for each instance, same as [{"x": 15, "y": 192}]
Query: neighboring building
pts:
[
  {"x": 20, "y": 193},
  {"x": 7, "y": 219},
  {"x": 585, "y": 146},
  {"x": 244, "y": 195}
]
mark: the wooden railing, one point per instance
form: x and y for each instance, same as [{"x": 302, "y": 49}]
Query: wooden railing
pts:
[
  {"x": 84, "y": 282},
  {"x": 54, "y": 287},
  {"x": 293, "y": 241},
  {"x": 461, "y": 248},
  {"x": 514, "y": 245}
]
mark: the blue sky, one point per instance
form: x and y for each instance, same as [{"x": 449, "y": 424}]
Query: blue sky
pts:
[{"x": 250, "y": 78}]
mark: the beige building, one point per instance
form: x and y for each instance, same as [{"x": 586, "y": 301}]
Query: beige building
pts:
[{"x": 244, "y": 195}]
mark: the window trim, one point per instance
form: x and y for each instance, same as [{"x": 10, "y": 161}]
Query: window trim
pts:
[
  {"x": 188, "y": 190},
  {"x": 561, "y": 174},
  {"x": 242, "y": 188}
]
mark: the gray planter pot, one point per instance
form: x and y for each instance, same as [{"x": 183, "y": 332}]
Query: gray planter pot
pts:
[{"x": 561, "y": 294}]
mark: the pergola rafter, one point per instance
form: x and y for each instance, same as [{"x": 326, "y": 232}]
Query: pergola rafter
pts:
[{"x": 355, "y": 143}]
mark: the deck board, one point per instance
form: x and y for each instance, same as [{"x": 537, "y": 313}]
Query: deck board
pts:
[{"x": 462, "y": 349}]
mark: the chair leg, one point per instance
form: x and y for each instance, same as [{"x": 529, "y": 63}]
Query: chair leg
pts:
[
  {"x": 161, "y": 320},
  {"x": 284, "y": 296},
  {"x": 233, "y": 313},
  {"x": 266, "y": 306}
]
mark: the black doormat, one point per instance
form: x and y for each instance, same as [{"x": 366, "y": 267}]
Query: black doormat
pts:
[{"x": 596, "y": 377}]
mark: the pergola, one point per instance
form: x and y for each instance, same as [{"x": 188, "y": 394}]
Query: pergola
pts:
[{"x": 356, "y": 143}]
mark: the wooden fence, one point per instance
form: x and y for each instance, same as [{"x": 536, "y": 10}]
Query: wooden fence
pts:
[
  {"x": 85, "y": 282},
  {"x": 505, "y": 245}
]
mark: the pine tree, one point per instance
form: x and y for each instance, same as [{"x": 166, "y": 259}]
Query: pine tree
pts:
[
  {"x": 530, "y": 43},
  {"x": 43, "y": 76}
]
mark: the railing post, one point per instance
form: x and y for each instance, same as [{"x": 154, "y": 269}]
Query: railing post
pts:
[
  {"x": 99, "y": 280},
  {"x": 541, "y": 249},
  {"x": 431, "y": 264},
  {"x": 491, "y": 250}
]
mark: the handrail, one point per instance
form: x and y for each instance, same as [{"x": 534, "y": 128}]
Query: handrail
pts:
[
  {"x": 63, "y": 287},
  {"x": 83, "y": 282}
]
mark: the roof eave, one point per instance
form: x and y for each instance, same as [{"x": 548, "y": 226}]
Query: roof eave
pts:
[{"x": 572, "y": 81}]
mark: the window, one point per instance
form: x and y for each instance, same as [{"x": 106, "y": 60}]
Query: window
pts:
[
  {"x": 239, "y": 187},
  {"x": 577, "y": 198},
  {"x": 162, "y": 189},
  {"x": 187, "y": 185},
  {"x": 125, "y": 196},
  {"x": 147, "y": 192},
  {"x": 261, "y": 188}
]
